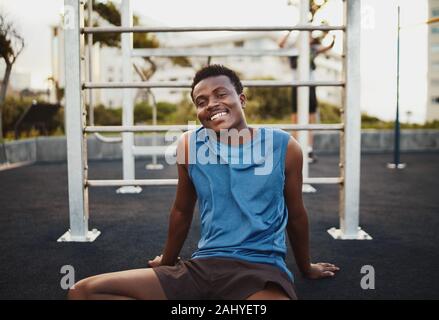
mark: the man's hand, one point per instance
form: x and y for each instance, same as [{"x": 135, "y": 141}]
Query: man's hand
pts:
[
  {"x": 156, "y": 262},
  {"x": 320, "y": 270}
]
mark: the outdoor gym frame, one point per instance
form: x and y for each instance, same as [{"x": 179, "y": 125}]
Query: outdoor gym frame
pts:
[{"x": 77, "y": 128}]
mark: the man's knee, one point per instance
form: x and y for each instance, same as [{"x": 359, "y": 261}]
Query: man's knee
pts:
[{"x": 80, "y": 291}]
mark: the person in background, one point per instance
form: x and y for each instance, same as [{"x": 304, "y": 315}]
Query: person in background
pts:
[{"x": 316, "y": 48}]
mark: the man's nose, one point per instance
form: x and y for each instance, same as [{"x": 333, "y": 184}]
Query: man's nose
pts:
[{"x": 212, "y": 104}]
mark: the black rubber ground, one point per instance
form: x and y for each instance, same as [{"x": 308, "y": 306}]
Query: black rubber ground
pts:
[{"x": 399, "y": 209}]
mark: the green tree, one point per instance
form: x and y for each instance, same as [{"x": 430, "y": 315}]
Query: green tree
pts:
[
  {"x": 142, "y": 112},
  {"x": 267, "y": 102},
  {"x": 185, "y": 110},
  {"x": 11, "y": 45},
  {"x": 104, "y": 116},
  {"x": 329, "y": 113}
]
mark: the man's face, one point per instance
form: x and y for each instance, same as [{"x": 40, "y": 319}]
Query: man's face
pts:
[{"x": 218, "y": 104}]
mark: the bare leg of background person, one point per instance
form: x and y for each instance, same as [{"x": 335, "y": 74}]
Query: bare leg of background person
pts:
[
  {"x": 139, "y": 284},
  {"x": 294, "y": 121},
  {"x": 312, "y": 119}
]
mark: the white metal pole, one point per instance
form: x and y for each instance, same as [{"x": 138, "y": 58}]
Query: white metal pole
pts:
[
  {"x": 90, "y": 61},
  {"x": 55, "y": 62},
  {"x": 127, "y": 100},
  {"x": 154, "y": 165},
  {"x": 351, "y": 148},
  {"x": 303, "y": 92},
  {"x": 75, "y": 121}
]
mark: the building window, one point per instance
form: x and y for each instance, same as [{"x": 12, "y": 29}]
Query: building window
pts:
[
  {"x": 435, "y": 30},
  {"x": 238, "y": 44},
  {"x": 435, "y": 12},
  {"x": 435, "y": 100},
  {"x": 435, "y": 47}
]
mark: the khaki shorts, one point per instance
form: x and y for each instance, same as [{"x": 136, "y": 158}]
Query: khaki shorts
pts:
[{"x": 220, "y": 279}]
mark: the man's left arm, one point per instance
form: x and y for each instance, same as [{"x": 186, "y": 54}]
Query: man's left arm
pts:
[{"x": 297, "y": 227}]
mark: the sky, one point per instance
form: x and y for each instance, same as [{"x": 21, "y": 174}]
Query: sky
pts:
[{"x": 378, "y": 55}]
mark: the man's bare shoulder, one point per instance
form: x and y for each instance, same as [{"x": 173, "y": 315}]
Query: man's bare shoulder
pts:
[
  {"x": 294, "y": 156},
  {"x": 183, "y": 148}
]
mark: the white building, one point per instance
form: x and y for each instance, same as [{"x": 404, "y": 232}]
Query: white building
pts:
[{"x": 433, "y": 64}]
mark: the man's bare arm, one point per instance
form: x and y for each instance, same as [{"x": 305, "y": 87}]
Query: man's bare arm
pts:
[
  {"x": 328, "y": 47},
  {"x": 283, "y": 40},
  {"x": 182, "y": 211},
  {"x": 297, "y": 227}
]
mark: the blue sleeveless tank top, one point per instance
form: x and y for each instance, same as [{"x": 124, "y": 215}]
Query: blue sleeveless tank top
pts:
[{"x": 240, "y": 196}]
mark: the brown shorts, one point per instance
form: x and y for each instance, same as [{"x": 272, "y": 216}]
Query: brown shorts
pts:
[{"x": 220, "y": 279}]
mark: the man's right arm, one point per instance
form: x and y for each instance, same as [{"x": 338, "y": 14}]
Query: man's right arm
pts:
[
  {"x": 182, "y": 211},
  {"x": 281, "y": 43}
]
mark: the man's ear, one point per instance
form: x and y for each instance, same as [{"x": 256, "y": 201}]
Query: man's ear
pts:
[{"x": 243, "y": 100}]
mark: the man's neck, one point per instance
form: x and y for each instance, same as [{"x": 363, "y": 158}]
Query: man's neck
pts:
[{"x": 244, "y": 133}]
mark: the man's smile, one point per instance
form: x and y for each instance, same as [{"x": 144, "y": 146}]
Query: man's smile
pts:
[{"x": 218, "y": 114}]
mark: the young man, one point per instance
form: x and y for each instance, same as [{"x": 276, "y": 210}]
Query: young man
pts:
[{"x": 245, "y": 207}]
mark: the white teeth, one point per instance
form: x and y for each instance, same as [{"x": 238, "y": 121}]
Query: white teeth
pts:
[{"x": 218, "y": 115}]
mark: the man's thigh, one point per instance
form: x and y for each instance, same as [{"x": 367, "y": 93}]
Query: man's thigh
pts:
[{"x": 141, "y": 284}]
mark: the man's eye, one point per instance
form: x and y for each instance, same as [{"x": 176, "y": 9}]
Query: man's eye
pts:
[{"x": 201, "y": 104}]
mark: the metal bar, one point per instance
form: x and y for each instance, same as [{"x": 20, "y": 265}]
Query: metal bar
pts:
[
  {"x": 90, "y": 61},
  {"x": 128, "y": 160},
  {"x": 90, "y": 79},
  {"x": 153, "y": 150},
  {"x": 132, "y": 182},
  {"x": 211, "y": 52},
  {"x": 187, "y": 84},
  {"x": 396, "y": 150},
  {"x": 350, "y": 204},
  {"x": 125, "y": 29},
  {"x": 303, "y": 72},
  {"x": 325, "y": 180},
  {"x": 78, "y": 206},
  {"x": 164, "y": 128},
  {"x": 173, "y": 182}
]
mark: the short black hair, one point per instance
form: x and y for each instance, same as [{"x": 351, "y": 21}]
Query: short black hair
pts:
[{"x": 215, "y": 70}]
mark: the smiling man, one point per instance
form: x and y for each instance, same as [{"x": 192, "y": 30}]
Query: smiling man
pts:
[{"x": 243, "y": 212}]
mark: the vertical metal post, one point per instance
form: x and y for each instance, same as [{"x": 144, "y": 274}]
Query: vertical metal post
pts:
[
  {"x": 54, "y": 44},
  {"x": 127, "y": 100},
  {"x": 350, "y": 140},
  {"x": 396, "y": 149},
  {"x": 303, "y": 92},
  {"x": 90, "y": 63},
  {"x": 154, "y": 165},
  {"x": 75, "y": 120},
  {"x": 396, "y": 152}
]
